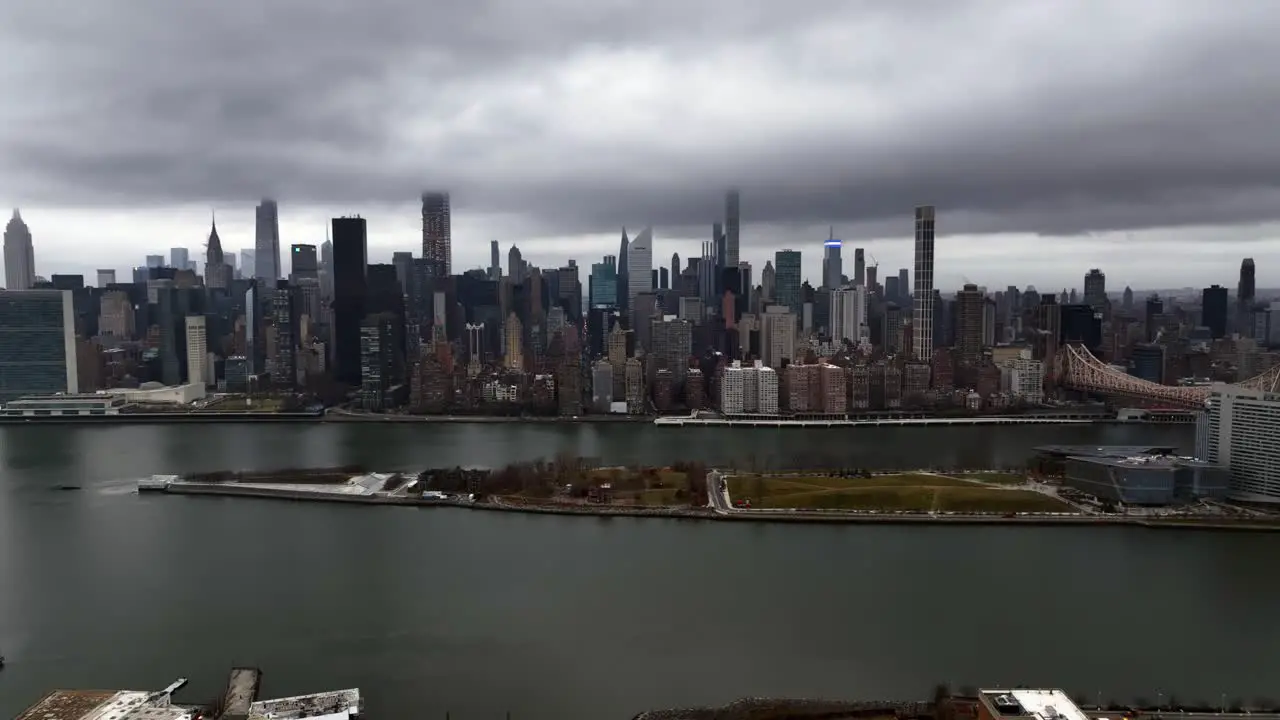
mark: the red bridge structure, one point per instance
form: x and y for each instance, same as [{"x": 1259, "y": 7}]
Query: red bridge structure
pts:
[{"x": 1079, "y": 370}]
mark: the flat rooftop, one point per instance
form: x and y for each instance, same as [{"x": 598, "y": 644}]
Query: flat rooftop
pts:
[
  {"x": 1155, "y": 462},
  {"x": 1033, "y": 704},
  {"x": 336, "y": 704},
  {"x": 67, "y": 705},
  {"x": 1103, "y": 451}
]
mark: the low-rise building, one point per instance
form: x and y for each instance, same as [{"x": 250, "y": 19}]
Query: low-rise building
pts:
[
  {"x": 1146, "y": 479},
  {"x": 64, "y": 405}
]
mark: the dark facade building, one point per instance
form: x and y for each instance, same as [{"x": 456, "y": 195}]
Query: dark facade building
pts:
[
  {"x": 350, "y": 288},
  {"x": 1081, "y": 324},
  {"x": 1213, "y": 305},
  {"x": 1146, "y": 362},
  {"x": 303, "y": 262}
]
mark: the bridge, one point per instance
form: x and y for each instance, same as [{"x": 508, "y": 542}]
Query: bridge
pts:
[{"x": 1079, "y": 370}]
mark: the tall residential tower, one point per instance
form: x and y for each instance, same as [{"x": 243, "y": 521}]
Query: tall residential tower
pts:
[
  {"x": 437, "y": 238},
  {"x": 922, "y": 306}
]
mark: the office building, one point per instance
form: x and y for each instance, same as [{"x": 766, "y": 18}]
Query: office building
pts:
[
  {"x": 106, "y": 277},
  {"x": 350, "y": 291},
  {"x": 437, "y": 235},
  {"x": 639, "y": 266},
  {"x": 37, "y": 343},
  {"x": 1213, "y": 305},
  {"x": 19, "y": 255},
  {"x": 197, "y": 350},
  {"x": 1095, "y": 290},
  {"x": 922, "y": 314},
  {"x": 604, "y": 283},
  {"x": 303, "y": 262},
  {"x": 859, "y": 267},
  {"x": 787, "y": 280},
  {"x": 266, "y": 244},
  {"x": 179, "y": 258}
]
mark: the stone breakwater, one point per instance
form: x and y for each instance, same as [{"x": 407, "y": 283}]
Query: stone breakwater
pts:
[{"x": 777, "y": 709}]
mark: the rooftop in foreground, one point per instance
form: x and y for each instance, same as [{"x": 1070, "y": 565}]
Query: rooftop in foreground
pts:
[
  {"x": 67, "y": 705},
  {"x": 1028, "y": 704},
  {"x": 1102, "y": 451}
]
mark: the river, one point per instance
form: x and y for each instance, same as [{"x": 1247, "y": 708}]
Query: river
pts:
[{"x": 477, "y": 614}]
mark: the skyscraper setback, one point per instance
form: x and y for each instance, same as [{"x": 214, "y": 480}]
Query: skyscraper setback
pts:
[
  {"x": 437, "y": 237},
  {"x": 922, "y": 305},
  {"x": 19, "y": 255}
]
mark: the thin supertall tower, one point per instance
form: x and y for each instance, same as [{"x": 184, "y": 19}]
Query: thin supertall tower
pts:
[
  {"x": 266, "y": 243},
  {"x": 437, "y": 239},
  {"x": 922, "y": 306},
  {"x": 732, "y": 207}
]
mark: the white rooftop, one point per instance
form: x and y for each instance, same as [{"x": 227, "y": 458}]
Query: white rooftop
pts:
[
  {"x": 1040, "y": 704},
  {"x": 138, "y": 705}
]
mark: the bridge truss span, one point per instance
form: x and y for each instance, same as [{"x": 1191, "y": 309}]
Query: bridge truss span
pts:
[{"x": 1078, "y": 369}]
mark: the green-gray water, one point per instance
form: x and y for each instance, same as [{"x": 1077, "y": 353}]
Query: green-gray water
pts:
[{"x": 434, "y": 610}]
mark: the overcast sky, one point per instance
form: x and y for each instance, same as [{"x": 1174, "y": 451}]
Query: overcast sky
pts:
[{"x": 1053, "y": 136}]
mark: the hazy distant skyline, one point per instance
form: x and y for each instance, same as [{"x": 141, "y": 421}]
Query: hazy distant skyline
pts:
[{"x": 1052, "y": 136}]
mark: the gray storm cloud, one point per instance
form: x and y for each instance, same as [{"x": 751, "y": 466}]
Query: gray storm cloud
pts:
[{"x": 1051, "y": 117}]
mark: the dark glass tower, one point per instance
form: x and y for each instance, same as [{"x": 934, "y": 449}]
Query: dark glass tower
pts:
[{"x": 350, "y": 288}]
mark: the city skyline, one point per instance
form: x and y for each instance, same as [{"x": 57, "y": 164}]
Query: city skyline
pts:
[
  {"x": 814, "y": 112},
  {"x": 961, "y": 259}
]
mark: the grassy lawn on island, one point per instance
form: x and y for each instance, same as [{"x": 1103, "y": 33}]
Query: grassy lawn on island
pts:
[
  {"x": 999, "y": 478},
  {"x": 956, "y": 496},
  {"x": 762, "y": 487}
]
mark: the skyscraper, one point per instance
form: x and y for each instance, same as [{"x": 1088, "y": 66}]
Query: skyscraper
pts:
[
  {"x": 437, "y": 237},
  {"x": 1213, "y": 310},
  {"x": 624, "y": 249},
  {"x": 922, "y": 305},
  {"x": 19, "y": 255},
  {"x": 248, "y": 267},
  {"x": 266, "y": 243},
  {"x": 832, "y": 266},
  {"x": 786, "y": 266},
  {"x": 179, "y": 258},
  {"x": 303, "y": 262},
  {"x": 732, "y": 221},
  {"x": 1095, "y": 290},
  {"x": 106, "y": 276},
  {"x": 859, "y": 267},
  {"x": 495, "y": 261},
  {"x": 217, "y": 273},
  {"x": 1245, "y": 292},
  {"x": 970, "y": 304},
  {"x": 350, "y": 288},
  {"x": 37, "y": 343},
  {"x": 640, "y": 266}
]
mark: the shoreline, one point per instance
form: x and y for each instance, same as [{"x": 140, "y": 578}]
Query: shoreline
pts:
[
  {"x": 344, "y": 417},
  {"x": 703, "y": 514}
]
